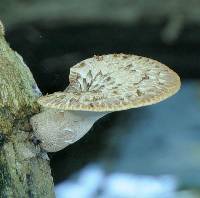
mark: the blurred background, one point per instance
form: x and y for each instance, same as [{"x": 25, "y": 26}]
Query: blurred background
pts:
[{"x": 150, "y": 152}]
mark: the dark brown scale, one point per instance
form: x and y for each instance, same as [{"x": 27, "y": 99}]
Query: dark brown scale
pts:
[
  {"x": 108, "y": 78},
  {"x": 73, "y": 100},
  {"x": 145, "y": 77},
  {"x": 133, "y": 70},
  {"x": 139, "y": 93},
  {"x": 91, "y": 105},
  {"x": 82, "y": 64},
  {"x": 99, "y": 58},
  {"x": 115, "y": 92},
  {"x": 125, "y": 56},
  {"x": 128, "y": 66}
]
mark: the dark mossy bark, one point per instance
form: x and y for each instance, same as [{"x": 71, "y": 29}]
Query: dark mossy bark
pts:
[{"x": 23, "y": 172}]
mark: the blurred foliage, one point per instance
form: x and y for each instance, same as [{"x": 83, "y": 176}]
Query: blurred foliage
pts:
[
  {"x": 184, "y": 11},
  {"x": 175, "y": 13}
]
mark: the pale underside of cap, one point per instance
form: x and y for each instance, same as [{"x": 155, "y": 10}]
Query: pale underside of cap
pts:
[{"x": 114, "y": 82}]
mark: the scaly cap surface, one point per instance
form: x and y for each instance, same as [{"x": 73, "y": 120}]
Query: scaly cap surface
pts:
[{"x": 114, "y": 82}]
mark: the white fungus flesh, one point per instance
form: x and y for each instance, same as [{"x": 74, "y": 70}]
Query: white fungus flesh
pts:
[
  {"x": 100, "y": 85},
  {"x": 57, "y": 129}
]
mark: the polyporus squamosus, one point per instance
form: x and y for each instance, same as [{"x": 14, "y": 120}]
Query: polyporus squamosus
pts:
[{"x": 98, "y": 86}]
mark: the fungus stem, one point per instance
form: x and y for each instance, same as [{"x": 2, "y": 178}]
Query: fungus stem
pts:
[{"x": 57, "y": 129}]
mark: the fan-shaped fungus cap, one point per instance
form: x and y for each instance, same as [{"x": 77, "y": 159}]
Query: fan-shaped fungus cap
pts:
[{"x": 114, "y": 82}]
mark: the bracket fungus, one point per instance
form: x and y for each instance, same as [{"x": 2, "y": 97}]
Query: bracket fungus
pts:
[{"x": 100, "y": 85}]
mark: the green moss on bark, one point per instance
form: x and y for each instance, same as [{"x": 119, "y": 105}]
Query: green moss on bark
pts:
[{"x": 23, "y": 173}]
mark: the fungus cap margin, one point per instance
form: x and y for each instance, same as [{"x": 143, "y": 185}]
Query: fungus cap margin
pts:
[{"x": 114, "y": 82}]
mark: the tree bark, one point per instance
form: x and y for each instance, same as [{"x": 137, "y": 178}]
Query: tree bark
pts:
[{"x": 23, "y": 172}]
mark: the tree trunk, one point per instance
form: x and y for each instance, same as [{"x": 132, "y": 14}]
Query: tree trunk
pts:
[{"x": 23, "y": 172}]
